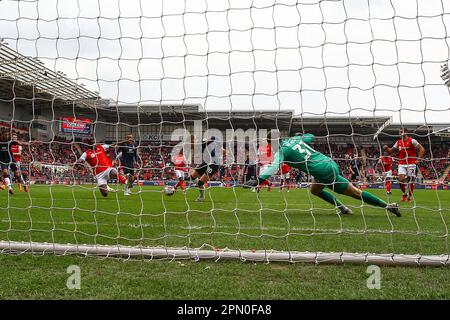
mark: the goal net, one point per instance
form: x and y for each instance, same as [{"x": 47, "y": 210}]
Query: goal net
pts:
[{"x": 146, "y": 87}]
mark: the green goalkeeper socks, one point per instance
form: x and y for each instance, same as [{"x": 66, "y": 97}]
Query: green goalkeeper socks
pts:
[
  {"x": 330, "y": 198},
  {"x": 373, "y": 200}
]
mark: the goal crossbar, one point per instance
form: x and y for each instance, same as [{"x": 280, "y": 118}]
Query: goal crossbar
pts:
[{"x": 119, "y": 251}]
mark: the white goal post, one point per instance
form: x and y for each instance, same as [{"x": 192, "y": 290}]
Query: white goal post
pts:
[{"x": 200, "y": 254}]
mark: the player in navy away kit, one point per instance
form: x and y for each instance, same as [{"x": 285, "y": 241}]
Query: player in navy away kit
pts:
[
  {"x": 7, "y": 161},
  {"x": 212, "y": 159},
  {"x": 128, "y": 155}
]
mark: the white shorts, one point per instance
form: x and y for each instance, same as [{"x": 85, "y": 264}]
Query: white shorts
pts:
[
  {"x": 263, "y": 168},
  {"x": 387, "y": 174},
  {"x": 103, "y": 177},
  {"x": 407, "y": 169},
  {"x": 285, "y": 176},
  {"x": 180, "y": 174}
]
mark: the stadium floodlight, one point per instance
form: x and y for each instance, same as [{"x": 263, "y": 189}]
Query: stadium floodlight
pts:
[{"x": 174, "y": 77}]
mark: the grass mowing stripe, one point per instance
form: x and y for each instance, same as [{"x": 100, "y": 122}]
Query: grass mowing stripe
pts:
[{"x": 237, "y": 219}]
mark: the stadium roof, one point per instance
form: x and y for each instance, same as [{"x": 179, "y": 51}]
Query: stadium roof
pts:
[
  {"x": 339, "y": 125},
  {"x": 134, "y": 114},
  {"x": 179, "y": 113},
  {"x": 268, "y": 119},
  {"x": 28, "y": 82},
  {"x": 418, "y": 129},
  {"x": 26, "y": 79}
]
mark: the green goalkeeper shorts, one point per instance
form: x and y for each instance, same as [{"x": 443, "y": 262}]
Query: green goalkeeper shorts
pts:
[{"x": 330, "y": 176}]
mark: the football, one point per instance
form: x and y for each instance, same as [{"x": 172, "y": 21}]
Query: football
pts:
[{"x": 169, "y": 190}]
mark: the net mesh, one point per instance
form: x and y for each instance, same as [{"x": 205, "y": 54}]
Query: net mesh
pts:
[{"x": 74, "y": 74}]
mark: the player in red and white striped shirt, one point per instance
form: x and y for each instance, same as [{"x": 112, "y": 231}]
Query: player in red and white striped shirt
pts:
[
  {"x": 102, "y": 166},
  {"x": 408, "y": 159}
]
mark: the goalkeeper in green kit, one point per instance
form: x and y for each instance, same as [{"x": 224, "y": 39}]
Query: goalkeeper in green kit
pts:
[{"x": 296, "y": 152}]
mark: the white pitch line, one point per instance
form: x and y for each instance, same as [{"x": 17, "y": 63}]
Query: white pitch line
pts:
[{"x": 195, "y": 227}]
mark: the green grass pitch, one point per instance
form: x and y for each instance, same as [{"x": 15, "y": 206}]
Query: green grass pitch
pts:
[{"x": 230, "y": 218}]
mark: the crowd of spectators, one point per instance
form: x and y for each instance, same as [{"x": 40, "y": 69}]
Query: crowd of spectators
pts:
[{"x": 53, "y": 161}]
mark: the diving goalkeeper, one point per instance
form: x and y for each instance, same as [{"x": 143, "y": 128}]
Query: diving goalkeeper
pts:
[{"x": 296, "y": 152}]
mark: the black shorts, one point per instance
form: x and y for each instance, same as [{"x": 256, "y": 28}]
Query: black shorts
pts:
[
  {"x": 8, "y": 165},
  {"x": 250, "y": 176},
  {"x": 354, "y": 176},
  {"x": 127, "y": 170},
  {"x": 208, "y": 169}
]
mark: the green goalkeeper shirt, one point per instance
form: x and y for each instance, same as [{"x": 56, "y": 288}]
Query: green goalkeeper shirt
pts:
[{"x": 296, "y": 152}]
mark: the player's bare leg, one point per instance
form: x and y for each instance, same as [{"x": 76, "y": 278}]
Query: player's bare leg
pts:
[
  {"x": 26, "y": 187},
  {"x": 104, "y": 190},
  {"x": 194, "y": 175},
  {"x": 369, "y": 198},
  {"x": 201, "y": 187},
  {"x": 388, "y": 186},
  {"x": 180, "y": 184},
  {"x": 19, "y": 179},
  {"x": 402, "y": 181},
  {"x": 131, "y": 179},
  {"x": 7, "y": 181},
  {"x": 284, "y": 185},
  {"x": 317, "y": 189},
  {"x": 411, "y": 186},
  {"x": 127, "y": 185},
  {"x": 264, "y": 183},
  {"x": 122, "y": 180},
  {"x": 281, "y": 184}
]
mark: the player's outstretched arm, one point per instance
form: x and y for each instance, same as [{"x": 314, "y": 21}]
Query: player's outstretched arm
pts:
[
  {"x": 270, "y": 171},
  {"x": 421, "y": 150},
  {"x": 78, "y": 149},
  {"x": 24, "y": 142},
  {"x": 274, "y": 166},
  {"x": 81, "y": 156},
  {"x": 81, "y": 160},
  {"x": 389, "y": 150}
]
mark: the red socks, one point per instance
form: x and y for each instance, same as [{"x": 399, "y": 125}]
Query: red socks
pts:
[
  {"x": 121, "y": 179},
  {"x": 411, "y": 189},
  {"x": 180, "y": 184},
  {"x": 388, "y": 185}
]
